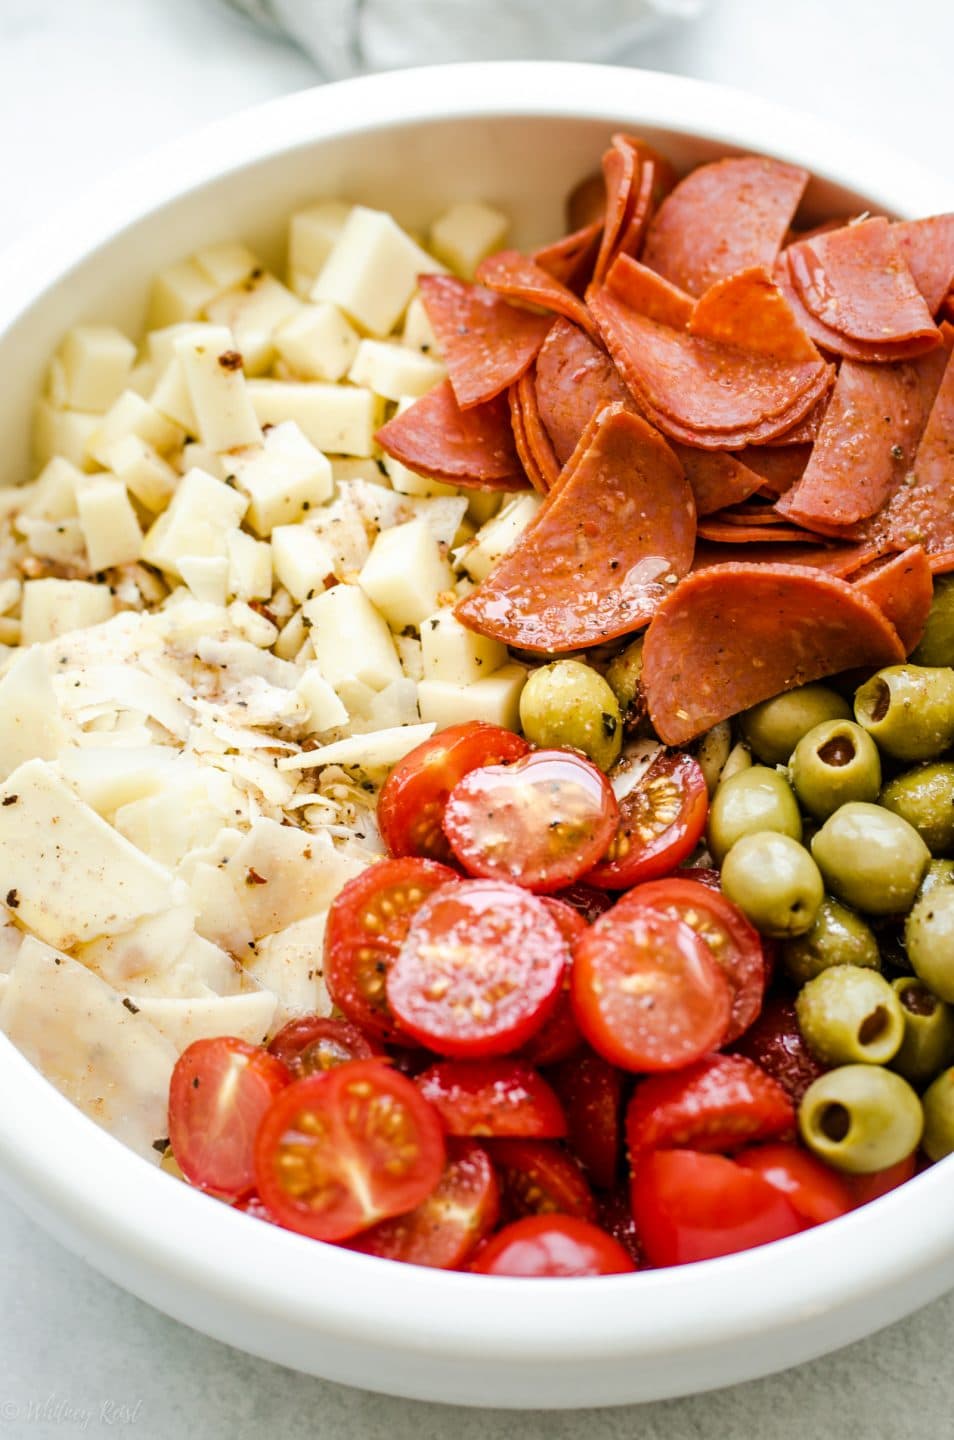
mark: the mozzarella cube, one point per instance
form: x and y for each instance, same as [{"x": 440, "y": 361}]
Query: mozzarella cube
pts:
[
  {"x": 179, "y": 292},
  {"x": 96, "y": 361},
  {"x": 351, "y": 638},
  {"x": 53, "y": 496},
  {"x": 372, "y": 270},
  {"x": 254, "y": 627},
  {"x": 170, "y": 396},
  {"x": 217, "y": 389},
  {"x": 31, "y": 724},
  {"x": 325, "y": 710},
  {"x": 142, "y": 378},
  {"x": 302, "y": 560},
  {"x": 63, "y": 433},
  {"x": 132, "y": 415},
  {"x": 452, "y": 653},
  {"x": 194, "y": 456},
  {"x": 253, "y": 311},
  {"x": 110, "y": 528},
  {"x": 249, "y": 567},
  {"x": 466, "y": 234},
  {"x": 161, "y": 344},
  {"x": 284, "y": 478},
  {"x": 317, "y": 343},
  {"x": 418, "y": 333},
  {"x": 55, "y": 607},
  {"x": 293, "y": 638},
  {"x": 495, "y": 699},
  {"x": 206, "y": 576},
  {"x": 346, "y": 467},
  {"x": 340, "y": 419},
  {"x": 143, "y": 472},
  {"x": 226, "y": 264},
  {"x": 394, "y": 371},
  {"x": 496, "y": 537},
  {"x": 58, "y": 540},
  {"x": 405, "y": 574},
  {"x": 200, "y": 516},
  {"x": 312, "y": 233}
]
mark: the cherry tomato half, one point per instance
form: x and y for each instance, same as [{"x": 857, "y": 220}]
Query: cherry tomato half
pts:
[
  {"x": 689, "y": 1207},
  {"x": 865, "y": 1188},
  {"x": 492, "y": 1097},
  {"x": 367, "y": 923},
  {"x": 661, "y": 820},
  {"x": 538, "y": 1177},
  {"x": 219, "y": 1092},
  {"x": 479, "y": 971},
  {"x": 543, "y": 1246},
  {"x": 722, "y": 1102},
  {"x": 592, "y": 1094},
  {"x": 339, "y": 1151},
  {"x": 775, "y": 1043},
  {"x": 814, "y": 1190},
  {"x": 412, "y": 799},
  {"x": 559, "y": 1035},
  {"x": 541, "y": 822},
  {"x": 312, "y": 1043},
  {"x": 647, "y": 993}
]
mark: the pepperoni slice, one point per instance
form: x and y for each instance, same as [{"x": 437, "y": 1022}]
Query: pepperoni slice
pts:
[
  {"x": 571, "y": 259},
  {"x": 779, "y": 468},
  {"x": 586, "y": 203},
  {"x": 620, "y": 176},
  {"x": 513, "y": 276},
  {"x": 575, "y": 379},
  {"x": 470, "y": 448},
  {"x": 728, "y": 531},
  {"x": 806, "y": 431},
  {"x": 928, "y": 247},
  {"x": 530, "y": 435},
  {"x": 603, "y": 550},
  {"x": 903, "y": 587},
  {"x": 731, "y": 636},
  {"x": 486, "y": 342},
  {"x": 651, "y": 294},
  {"x": 722, "y": 218},
  {"x": 521, "y": 441},
  {"x": 749, "y": 311},
  {"x": 838, "y": 560}
]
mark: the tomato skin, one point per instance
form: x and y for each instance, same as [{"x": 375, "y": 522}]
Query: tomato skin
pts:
[
  {"x": 647, "y": 993},
  {"x": 865, "y": 1188},
  {"x": 721, "y": 1102},
  {"x": 816, "y": 1192},
  {"x": 312, "y": 1043},
  {"x": 544, "y": 1246},
  {"x": 254, "y": 1206},
  {"x": 690, "y": 1206},
  {"x": 479, "y": 971},
  {"x": 412, "y": 799},
  {"x": 588, "y": 902},
  {"x": 661, "y": 821},
  {"x": 775, "y": 1043},
  {"x": 219, "y": 1092},
  {"x": 367, "y": 923},
  {"x": 616, "y": 1218},
  {"x": 541, "y": 822},
  {"x": 446, "y": 1228},
  {"x": 343, "y": 1149},
  {"x": 559, "y": 1035},
  {"x": 735, "y": 944},
  {"x": 592, "y": 1094},
  {"x": 538, "y": 1177},
  {"x": 493, "y": 1097}
]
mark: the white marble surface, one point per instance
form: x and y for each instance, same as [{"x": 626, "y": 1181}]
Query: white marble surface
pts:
[{"x": 84, "y": 86}]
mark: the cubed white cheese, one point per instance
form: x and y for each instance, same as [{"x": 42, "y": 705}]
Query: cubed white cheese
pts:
[
  {"x": 207, "y": 576},
  {"x": 249, "y": 567},
  {"x": 217, "y": 389},
  {"x": 63, "y": 433},
  {"x": 418, "y": 332},
  {"x": 179, "y": 292},
  {"x": 96, "y": 361},
  {"x": 293, "y": 638},
  {"x": 143, "y": 471},
  {"x": 53, "y": 496},
  {"x": 466, "y": 234},
  {"x": 351, "y": 638},
  {"x": 317, "y": 343},
  {"x": 496, "y": 699},
  {"x": 132, "y": 415},
  {"x": 454, "y": 654},
  {"x": 195, "y": 456},
  {"x": 227, "y": 263},
  {"x": 31, "y": 723},
  {"x": 312, "y": 233},
  {"x": 254, "y": 627},
  {"x": 325, "y": 710},
  {"x": 408, "y": 482},
  {"x": 253, "y": 311},
  {"x": 200, "y": 516},
  {"x": 59, "y": 540},
  {"x": 372, "y": 270},
  {"x": 171, "y": 397},
  {"x": 302, "y": 560},
  {"x": 346, "y": 467},
  {"x": 338, "y": 419},
  {"x": 405, "y": 574},
  {"x": 110, "y": 528},
  {"x": 283, "y": 478},
  {"x": 55, "y": 607},
  {"x": 394, "y": 371},
  {"x": 496, "y": 537}
]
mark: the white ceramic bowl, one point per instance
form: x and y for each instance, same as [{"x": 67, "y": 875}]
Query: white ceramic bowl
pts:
[{"x": 518, "y": 135}]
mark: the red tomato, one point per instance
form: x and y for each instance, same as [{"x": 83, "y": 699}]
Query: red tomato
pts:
[
  {"x": 865, "y": 1188},
  {"x": 252, "y": 1205},
  {"x": 219, "y": 1091},
  {"x": 592, "y": 1095},
  {"x": 538, "y": 1177},
  {"x": 815, "y": 1191},
  {"x": 492, "y": 1097},
  {"x": 339, "y": 1151},
  {"x": 689, "y": 1207},
  {"x": 550, "y": 1245},
  {"x": 702, "y": 874},
  {"x": 775, "y": 1042},
  {"x": 541, "y": 822},
  {"x": 559, "y": 1036},
  {"x": 722, "y": 1102},
  {"x": 616, "y": 1218},
  {"x": 311, "y": 1043},
  {"x": 445, "y": 1229},
  {"x": 479, "y": 972},
  {"x": 367, "y": 924},
  {"x": 647, "y": 993},
  {"x": 660, "y": 822},
  {"x": 412, "y": 799},
  {"x": 588, "y": 902},
  {"x": 734, "y": 943}
]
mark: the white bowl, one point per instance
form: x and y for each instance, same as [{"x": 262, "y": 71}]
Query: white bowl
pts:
[{"x": 518, "y": 135}]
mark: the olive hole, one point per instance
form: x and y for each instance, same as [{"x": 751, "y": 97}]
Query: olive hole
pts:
[
  {"x": 834, "y": 1122},
  {"x": 875, "y": 699},
  {"x": 838, "y": 751},
  {"x": 918, "y": 1001},
  {"x": 873, "y": 1026}
]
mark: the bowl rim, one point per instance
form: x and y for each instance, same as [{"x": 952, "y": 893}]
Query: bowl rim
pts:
[{"x": 100, "y": 1195}]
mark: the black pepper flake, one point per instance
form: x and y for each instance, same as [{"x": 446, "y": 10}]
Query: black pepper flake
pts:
[
  {"x": 230, "y": 360},
  {"x": 306, "y": 623},
  {"x": 306, "y": 504},
  {"x": 10, "y": 799},
  {"x": 161, "y": 1145},
  {"x": 133, "y": 1009},
  {"x": 252, "y": 877},
  {"x": 614, "y": 564},
  {"x": 13, "y": 899},
  {"x": 897, "y": 453},
  {"x": 195, "y": 1082}
]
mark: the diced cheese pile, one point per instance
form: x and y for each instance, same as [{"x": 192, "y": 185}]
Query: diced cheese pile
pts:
[{"x": 223, "y": 617}]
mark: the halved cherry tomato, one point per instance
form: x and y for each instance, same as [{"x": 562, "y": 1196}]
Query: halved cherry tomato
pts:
[
  {"x": 734, "y": 943},
  {"x": 541, "y": 822},
  {"x": 814, "y": 1190},
  {"x": 689, "y": 1206},
  {"x": 446, "y": 1228},
  {"x": 311, "y": 1043},
  {"x": 616, "y": 1218},
  {"x": 219, "y": 1092},
  {"x": 588, "y": 902},
  {"x": 559, "y": 1036},
  {"x": 865, "y": 1188},
  {"x": 367, "y": 923},
  {"x": 479, "y": 971},
  {"x": 492, "y": 1097},
  {"x": 775, "y": 1043},
  {"x": 647, "y": 993},
  {"x": 592, "y": 1094},
  {"x": 339, "y": 1151},
  {"x": 661, "y": 820},
  {"x": 702, "y": 874},
  {"x": 538, "y": 1177},
  {"x": 722, "y": 1102},
  {"x": 551, "y": 1245},
  {"x": 412, "y": 799}
]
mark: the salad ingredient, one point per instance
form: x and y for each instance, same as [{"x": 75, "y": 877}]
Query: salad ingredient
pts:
[
  {"x": 936, "y": 646},
  {"x": 928, "y": 1043},
  {"x": 774, "y": 727},
  {"x": 485, "y": 343},
  {"x": 815, "y": 1192},
  {"x": 492, "y": 1097},
  {"x": 835, "y": 762},
  {"x": 870, "y": 858},
  {"x": 848, "y": 1014},
  {"x": 925, "y": 798},
  {"x": 929, "y": 941},
  {"x": 661, "y": 820},
  {"x": 752, "y": 802},
  {"x": 908, "y": 710},
  {"x": 776, "y": 1043},
  {"x": 775, "y": 883},
  {"x": 838, "y": 937},
  {"x": 549, "y": 1245},
  {"x": 720, "y": 1103},
  {"x": 310, "y": 1044},
  {"x": 436, "y": 438},
  {"x": 538, "y": 1177},
  {"x": 865, "y": 1188},
  {"x": 570, "y": 704},
  {"x": 592, "y": 1094},
  {"x": 902, "y": 586},
  {"x": 938, "y": 1103},
  {"x": 712, "y": 753},
  {"x": 860, "y": 1118}
]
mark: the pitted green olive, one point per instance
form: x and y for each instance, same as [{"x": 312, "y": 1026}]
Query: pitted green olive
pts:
[
  {"x": 908, "y": 710},
  {"x": 570, "y": 704},
  {"x": 835, "y": 762},
  {"x": 774, "y": 727}
]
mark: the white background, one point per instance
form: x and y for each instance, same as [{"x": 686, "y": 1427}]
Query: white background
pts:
[{"x": 86, "y": 85}]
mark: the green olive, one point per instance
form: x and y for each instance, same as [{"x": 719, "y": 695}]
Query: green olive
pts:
[
  {"x": 938, "y": 875},
  {"x": 835, "y": 762},
  {"x": 908, "y": 710},
  {"x": 928, "y": 1042},
  {"x": 740, "y": 758},
  {"x": 871, "y": 859},
  {"x": 775, "y": 883},
  {"x": 838, "y": 937},
  {"x": 929, "y": 941},
  {"x": 860, "y": 1118},
  {"x": 774, "y": 727},
  {"x": 748, "y": 802},
  {"x": 712, "y": 751},
  {"x": 925, "y": 798},
  {"x": 624, "y": 674},
  {"x": 937, "y": 642},
  {"x": 938, "y": 1103},
  {"x": 570, "y": 704},
  {"x": 848, "y": 1014}
]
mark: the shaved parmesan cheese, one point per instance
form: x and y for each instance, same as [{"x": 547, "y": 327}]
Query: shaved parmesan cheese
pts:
[
  {"x": 31, "y": 723},
  {"x": 288, "y": 964},
  {"x": 282, "y": 874},
  {"x": 181, "y": 1022},
  {"x": 377, "y": 749}
]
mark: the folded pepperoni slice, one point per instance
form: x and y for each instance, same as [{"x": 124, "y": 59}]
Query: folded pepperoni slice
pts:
[
  {"x": 831, "y": 340},
  {"x": 515, "y": 277},
  {"x": 731, "y": 636},
  {"x": 732, "y": 530},
  {"x": 530, "y": 435},
  {"x": 902, "y": 586},
  {"x": 722, "y": 218},
  {"x": 621, "y": 166},
  {"x": 806, "y": 431},
  {"x": 486, "y": 342},
  {"x": 778, "y": 467},
  {"x": 749, "y": 311},
  {"x": 606, "y": 547},
  {"x": 651, "y": 294},
  {"x": 571, "y": 259},
  {"x": 838, "y": 560},
  {"x": 586, "y": 203},
  {"x": 717, "y": 478},
  {"x": 470, "y": 448},
  {"x": 521, "y": 442},
  {"x": 928, "y": 247},
  {"x": 575, "y": 379}
]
